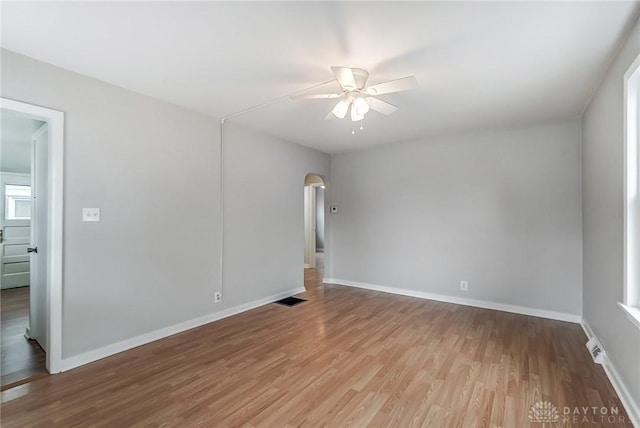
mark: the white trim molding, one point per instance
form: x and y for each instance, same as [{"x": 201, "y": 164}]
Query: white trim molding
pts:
[
  {"x": 55, "y": 120},
  {"x": 523, "y": 310},
  {"x": 631, "y": 218},
  {"x": 633, "y": 313},
  {"x": 632, "y": 408},
  {"x": 134, "y": 342}
]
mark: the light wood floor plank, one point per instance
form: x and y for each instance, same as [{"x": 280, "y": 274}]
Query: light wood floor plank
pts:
[{"x": 347, "y": 357}]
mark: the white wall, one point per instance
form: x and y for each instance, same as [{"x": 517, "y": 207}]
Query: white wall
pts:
[
  {"x": 603, "y": 181},
  {"x": 264, "y": 203},
  {"x": 499, "y": 209},
  {"x": 151, "y": 263}
]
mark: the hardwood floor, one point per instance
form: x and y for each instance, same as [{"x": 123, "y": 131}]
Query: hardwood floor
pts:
[
  {"x": 313, "y": 277},
  {"x": 347, "y": 357},
  {"x": 22, "y": 360}
]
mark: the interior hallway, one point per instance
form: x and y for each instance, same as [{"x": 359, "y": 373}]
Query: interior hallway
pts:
[{"x": 313, "y": 277}]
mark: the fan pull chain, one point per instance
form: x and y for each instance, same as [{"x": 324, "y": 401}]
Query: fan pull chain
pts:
[
  {"x": 353, "y": 131},
  {"x": 361, "y": 126}
]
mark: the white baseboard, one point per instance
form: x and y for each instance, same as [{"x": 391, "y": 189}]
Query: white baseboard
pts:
[
  {"x": 115, "y": 348},
  {"x": 632, "y": 408},
  {"x": 542, "y": 313}
]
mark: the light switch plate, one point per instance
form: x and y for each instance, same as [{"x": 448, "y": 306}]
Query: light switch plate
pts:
[{"x": 91, "y": 214}]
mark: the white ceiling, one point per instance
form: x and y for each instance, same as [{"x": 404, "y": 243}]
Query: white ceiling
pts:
[
  {"x": 15, "y": 141},
  {"x": 479, "y": 64}
]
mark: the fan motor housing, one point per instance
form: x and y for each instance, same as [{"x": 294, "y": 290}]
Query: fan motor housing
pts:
[{"x": 360, "y": 76}]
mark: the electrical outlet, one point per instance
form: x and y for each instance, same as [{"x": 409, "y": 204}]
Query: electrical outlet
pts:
[
  {"x": 218, "y": 296},
  {"x": 464, "y": 285}
]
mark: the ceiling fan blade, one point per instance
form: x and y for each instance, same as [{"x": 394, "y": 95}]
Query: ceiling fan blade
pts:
[
  {"x": 314, "y": 96},
  {"x": 397, "y": 85},
  {"x": 381, "y": 106},
  {"x": 344, "y": 76},
  {"x": 329, "y": 116}
]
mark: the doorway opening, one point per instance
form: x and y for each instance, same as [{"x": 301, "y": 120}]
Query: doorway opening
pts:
[
  {"x": 314, "y": 210},
  {"x": 30, "y": 242},
  {"x": 22, "y": 347}
]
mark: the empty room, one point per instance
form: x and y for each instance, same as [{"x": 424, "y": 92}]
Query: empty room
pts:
[{"x": 336, "y": 213}]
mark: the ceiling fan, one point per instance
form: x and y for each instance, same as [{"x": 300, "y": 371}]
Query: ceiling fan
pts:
[{"x": 359, "y": 97}]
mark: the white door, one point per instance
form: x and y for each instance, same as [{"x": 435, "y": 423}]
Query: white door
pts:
[
  {"x": 15, "y": 229},
  {"x": 39, "y": 172}
]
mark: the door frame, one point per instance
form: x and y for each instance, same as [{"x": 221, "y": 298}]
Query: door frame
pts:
[{"x": 55, "y": 120}]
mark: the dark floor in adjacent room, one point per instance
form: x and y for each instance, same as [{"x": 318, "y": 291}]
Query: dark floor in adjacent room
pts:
[{"x": 22, "y": 360}]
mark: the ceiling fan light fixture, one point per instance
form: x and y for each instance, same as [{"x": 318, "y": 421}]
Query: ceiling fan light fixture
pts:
[
  {"x": 354, "y": 114},
  {"x": 354, "y": 93},
  {"x": 361, "y": 106},
  {"x": 340, "y": 110}
]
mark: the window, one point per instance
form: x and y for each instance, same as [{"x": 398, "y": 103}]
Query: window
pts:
[
  {"x": 17, "y": 202},
  {"x": 631, "y": 303}
]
